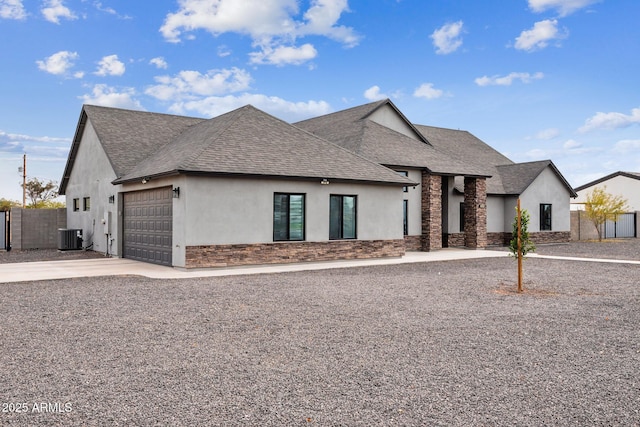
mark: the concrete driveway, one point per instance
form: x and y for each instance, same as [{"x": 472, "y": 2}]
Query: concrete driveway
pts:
[{"x": 48, "y": 270}]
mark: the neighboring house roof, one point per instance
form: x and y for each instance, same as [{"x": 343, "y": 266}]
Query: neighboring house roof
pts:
[
  {"x": 120, "y": 131},
  {"x": 353, "y": 130},
  {"x": 632, "y": 175},
  {"x": 246, "y": 141},
  {"x": 507, "y": 177}
]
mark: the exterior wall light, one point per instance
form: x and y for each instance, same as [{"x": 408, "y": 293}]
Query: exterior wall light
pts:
[
  {"x": 324, "y": 181},
  {"x": 176, "y": 193},
  {"x": 112, "y": 199},
  {"x": 145, "y": 180}
]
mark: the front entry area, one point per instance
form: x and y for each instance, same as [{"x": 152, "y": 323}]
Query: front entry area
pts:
[{"x": 148, "y": 225}]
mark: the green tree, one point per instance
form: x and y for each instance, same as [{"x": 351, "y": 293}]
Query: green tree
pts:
[
  {"x": 521, "y": 244},
  {"x": 601, "y": 207},
  {"x": 526, "y": 245},
  {"x": 6, "y": 204},
  {"x": 40, "y": 192}
]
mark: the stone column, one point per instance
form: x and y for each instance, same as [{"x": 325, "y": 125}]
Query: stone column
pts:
[
  {"x": 431, "y": 212},
  {"x": 475, "y": 213}
]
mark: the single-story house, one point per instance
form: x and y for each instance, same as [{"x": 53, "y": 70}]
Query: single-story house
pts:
[
  {"x": 248, "y": 188},
  {"x": 625, "y": 184},
  {"x": 469, "y": 191}
]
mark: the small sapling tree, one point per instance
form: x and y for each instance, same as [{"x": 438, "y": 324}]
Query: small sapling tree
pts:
[{"x": 520, "y": 244}]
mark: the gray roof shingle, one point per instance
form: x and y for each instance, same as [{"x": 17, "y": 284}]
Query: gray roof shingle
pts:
[
  {"x": 127, "y": 136},
  {"x": 352, "y": 130},
  {"x": 507, "y": 177},
  {"x": 248, "y": 141}
]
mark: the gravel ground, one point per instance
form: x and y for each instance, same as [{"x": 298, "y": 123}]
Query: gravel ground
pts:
[
  {"x": 442, "y": 344},
  {"x": 45, "y": 255}
]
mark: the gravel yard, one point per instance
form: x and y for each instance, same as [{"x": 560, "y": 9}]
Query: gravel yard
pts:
[{"x": 441, "y": 343}]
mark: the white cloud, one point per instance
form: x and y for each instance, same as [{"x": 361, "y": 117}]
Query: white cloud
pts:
[
  {"x": 159, "y": 62},
  {"x": 107, "y": 96},
  {"x": 447, "y": 38},
  {"x": 612, "y": 120},
  {"x": 282, "y": 55},
  {"x": 374, "y": 94},
  {"x": 286, "y": 110},
  {"x": 59, "y": 63},
  {"x": 223, "y": 51},
  {"x": 193, "y": 84},
  {"x": 564, "y": 7},
  {"x": 270, "y": 23},
  {"x": 12, "y": 9},
  {"x": 547, "y": 134},
  {"x": 110, "y": 66},
  {"x": 426, "y": 90},
  {"x": 539, "y": 36},
  {"x": 571, "y": 144},
  {"x": 55, "y": 10},
  {"x": 508, "y": 79},
  {"x": 627, "y": 146}
]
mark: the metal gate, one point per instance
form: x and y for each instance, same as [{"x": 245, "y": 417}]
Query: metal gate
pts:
[
  {"x": 4, "y": 230},
  {"x": 625, "y": 226}
]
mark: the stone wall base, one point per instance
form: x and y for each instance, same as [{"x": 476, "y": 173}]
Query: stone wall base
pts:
[
  {"x": 542, "y": 237},
  {"x": 413, "y": 243},
  {"x": 288, "y": 252},
  {"x": 503, "y": 239}
]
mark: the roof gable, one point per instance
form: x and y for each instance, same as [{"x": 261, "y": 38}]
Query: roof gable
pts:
[
  {"x": 248, "y": 141},
  {"x": 382, "y": 112},
  {"x": 518, "y": 176},
  {"x": 127, "y": 136},
  {"x": 631, "y": 175}
]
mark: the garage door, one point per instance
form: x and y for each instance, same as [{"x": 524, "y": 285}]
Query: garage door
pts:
[{"x": 148, "y": 217}]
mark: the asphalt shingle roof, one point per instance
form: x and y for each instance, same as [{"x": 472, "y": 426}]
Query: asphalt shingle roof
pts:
[
  {"x": 248, "y": 141},
  {"x": 353, "y": 130}
]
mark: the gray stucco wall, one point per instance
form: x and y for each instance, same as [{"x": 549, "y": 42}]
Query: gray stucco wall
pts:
[
  {"x": 388, "y": 117},
  {"x": 218, "y": 211},
  {"x": 414, "y": 198},
  {"x": 91, "y": 177},
  {"x": 547, "y": 188}
]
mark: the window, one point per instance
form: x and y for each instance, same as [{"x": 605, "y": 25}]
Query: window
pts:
[
  {"x": 404, "y": 173},
  {"x": 86, "y": 203},
  {"x": 462, "y": 217},
  {"x": 405, "y": 208},
  {"x": 76, "y": 205},
  {"x": 342, "y": 217},
  {"x": 288, "y": 217},
  {"x": 545, "y": 217}
]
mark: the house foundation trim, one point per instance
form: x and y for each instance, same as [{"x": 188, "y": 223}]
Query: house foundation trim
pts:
[{"x": 288, "y": 252}]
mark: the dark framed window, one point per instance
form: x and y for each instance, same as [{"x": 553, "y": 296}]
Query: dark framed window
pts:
[
  {"x": 342, "y": 217},
  {"x": 86, "y": 203},
  {"x": 288, "y": 217},
  {"x": 462, "y": 217},
  {"x": 76, "y": 205},
  {"x": 404, "y": 173},
  {"x": 545, "y": 217},
  {"x": 405, "y": 216}
]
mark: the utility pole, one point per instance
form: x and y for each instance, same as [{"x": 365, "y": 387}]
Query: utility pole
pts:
[{"x": 24, "y": 181}]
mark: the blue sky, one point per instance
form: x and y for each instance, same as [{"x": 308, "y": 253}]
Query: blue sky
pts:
[{"x": 535, "y": 79}]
